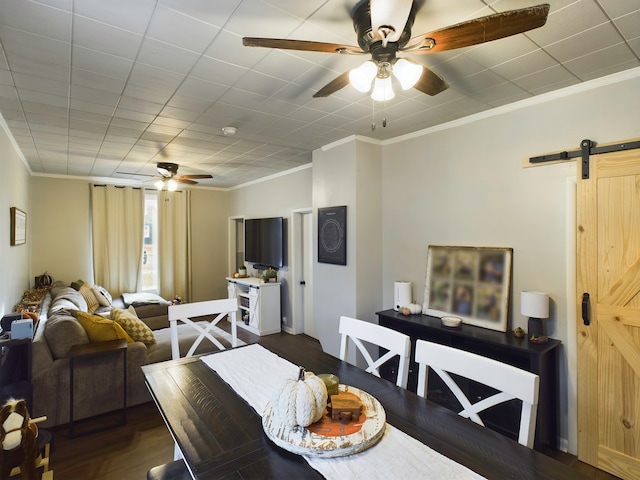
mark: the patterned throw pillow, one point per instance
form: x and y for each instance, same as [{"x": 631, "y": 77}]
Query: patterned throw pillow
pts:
[
  {"x": 90, "y": 298},
  {"x": 102, "y": 295},
  {"x": 100, "y": 329},
  {"x": 136, "y": 328}
]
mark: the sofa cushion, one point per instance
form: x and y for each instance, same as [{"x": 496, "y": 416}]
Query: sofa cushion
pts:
[
  {"x": 87, "y": 292},
  {"x": 136, "y": 328},
  {"x": 62, "y": 332},
  {"x": 100, "y": 329},
  {"x": 67, "y": 298},
  {"x": 102, "y": 295}
]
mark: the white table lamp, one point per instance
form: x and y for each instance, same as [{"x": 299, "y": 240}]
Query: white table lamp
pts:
[{"x": 535, "y": 305}]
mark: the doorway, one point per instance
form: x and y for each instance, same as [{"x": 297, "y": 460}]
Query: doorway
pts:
[{"x": 302, "y": 272}]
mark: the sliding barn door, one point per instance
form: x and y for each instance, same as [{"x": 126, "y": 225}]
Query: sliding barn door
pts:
[{"x": 608, "y": 271}]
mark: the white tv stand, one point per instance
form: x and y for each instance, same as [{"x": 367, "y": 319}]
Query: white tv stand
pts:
[{"x": 258, "y": 303}]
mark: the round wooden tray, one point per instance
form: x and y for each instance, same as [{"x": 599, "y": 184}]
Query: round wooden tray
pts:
[{"x": 302, "y": 441}]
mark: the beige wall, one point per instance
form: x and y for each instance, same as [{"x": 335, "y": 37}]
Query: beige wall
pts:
[
  {"x": 209, "y": 243},
  {"x": 14, "y": 192},
  {"x": 62, "y": 233}
]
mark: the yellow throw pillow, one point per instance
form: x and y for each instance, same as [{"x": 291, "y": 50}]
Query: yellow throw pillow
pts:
[
  {"x": 102, "y": 330},
  {"x": 90, "y": 298},
  {"x": 136, "y": 328}
]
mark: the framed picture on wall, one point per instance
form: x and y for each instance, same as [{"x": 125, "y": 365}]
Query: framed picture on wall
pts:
[
  {"x": 18, "y": 226},
  {"x": 472, "y": 283},
  {"x": 332, "y": 235}
]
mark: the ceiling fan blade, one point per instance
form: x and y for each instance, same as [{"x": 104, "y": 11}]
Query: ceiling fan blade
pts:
[
  {"x": 480, "y": 30},
  {"x": 138, "y": 174},
  {"x": 185, "y": 180},
  {"x": 195, "y": 176},
  {"x": 430, "y": 82},
  {"x": 304, "y": 45},
  {"x": 333, "y": 86}
]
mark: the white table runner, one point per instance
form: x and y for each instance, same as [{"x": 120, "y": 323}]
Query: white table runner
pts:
[{"x": 253, "y": 372}]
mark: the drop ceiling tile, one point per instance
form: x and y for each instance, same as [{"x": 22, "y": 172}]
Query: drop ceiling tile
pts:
[
  {"x": 227, "y": 48},
  {"x": 616, "y": 8},
  {"x": 584, "y": 43},
  {"x": 546, "y": 79},
  {"x": 91, "y": 107},
  {"x": 87, "y": 94},
  {"x": 124, "y": 14},
  {"x": 150, "y": 93},
  {"x": 36, "y": 18},
  {"x": 105, "y": 38},
  {"x": 220, "y": 72},
  {"x": 101, "y": 63},
  {"x": 500, "y": 51},
  {"x": 138, "y": 105},
  {"x": 260, "y": 19},
  {"x": 8, "y": 92},
  {"x": 84, "y": 78},
  {"x": 201, "y": 9},
  {"x": 608, "y": 70},
  {"x": 629, "y": 25},
  {"x": 171, "y": 26},
  {"x": 154, "y": 77},
  {"x": 42, "y": 98},
  {"x": 133, "y": 115},
  {"x": 525, "y": 64},
  {"x": 601, "y": 59},
  {"x": 40, "y": 108},
  {"x": 166, "y": 56}
]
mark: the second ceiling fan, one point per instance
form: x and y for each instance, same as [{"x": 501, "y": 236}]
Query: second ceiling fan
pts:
[{"x": 383, "y": 28}]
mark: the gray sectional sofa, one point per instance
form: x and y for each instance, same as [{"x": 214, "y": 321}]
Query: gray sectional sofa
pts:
[{"x": 97, "y": 380}]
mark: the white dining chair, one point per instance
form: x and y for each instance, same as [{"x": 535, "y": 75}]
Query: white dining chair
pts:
[
  {"x": 397, "y": 344},
  {"x": 511, "y": 382},
  {"x": 186, "y": 311}
]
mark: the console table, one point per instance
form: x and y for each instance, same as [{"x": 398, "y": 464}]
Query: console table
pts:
[{"x": 541, "y": 359}]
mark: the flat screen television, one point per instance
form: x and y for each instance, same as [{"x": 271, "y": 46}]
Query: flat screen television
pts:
[{"x": 263, "y": 245}]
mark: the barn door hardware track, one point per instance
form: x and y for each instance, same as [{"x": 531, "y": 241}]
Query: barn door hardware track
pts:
[{"x": 587, "y": 148}]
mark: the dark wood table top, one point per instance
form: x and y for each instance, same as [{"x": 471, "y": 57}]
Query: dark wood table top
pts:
[{"x": 221, "y": 436}]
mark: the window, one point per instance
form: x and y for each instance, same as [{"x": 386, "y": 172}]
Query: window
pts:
[{"x": 150, "y": 243}]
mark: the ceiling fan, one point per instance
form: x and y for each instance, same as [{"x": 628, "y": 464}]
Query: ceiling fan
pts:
[
  {"x": 383, "y": 29},
  {"x": 168, "y": 178}
]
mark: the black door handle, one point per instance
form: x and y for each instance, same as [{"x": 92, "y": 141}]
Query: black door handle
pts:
[
  {"x": 302, "y": 282},
  {"x": 585, "y": 309}
]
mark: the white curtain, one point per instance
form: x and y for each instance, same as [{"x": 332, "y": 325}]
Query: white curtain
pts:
[
  {"x": 174, "y": 244},
  {"x": 117, "y": 224}
]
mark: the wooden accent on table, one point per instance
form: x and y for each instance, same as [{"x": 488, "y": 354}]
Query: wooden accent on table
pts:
[
  {"x": 221, "y": 436},
  {"x": 340, "y": 439}
]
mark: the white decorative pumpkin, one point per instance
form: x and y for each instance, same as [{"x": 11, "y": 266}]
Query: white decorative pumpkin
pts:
[{"x": 301, "y": 401}]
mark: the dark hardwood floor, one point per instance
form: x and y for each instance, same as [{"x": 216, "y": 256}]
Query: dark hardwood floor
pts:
[{"x": 128, "y": 452}]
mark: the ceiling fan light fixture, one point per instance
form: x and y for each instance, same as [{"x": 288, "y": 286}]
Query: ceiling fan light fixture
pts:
[
  {"x": 159, "y": 184},
  {"x": 407, "y": 72},
  {"x": 362, "y": 76},
  {"x": 382, "y": 89},
  {"x": 172, "y": 185}
]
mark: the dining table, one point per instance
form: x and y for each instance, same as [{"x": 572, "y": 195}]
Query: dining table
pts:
[{"x": 220, "y": 434}]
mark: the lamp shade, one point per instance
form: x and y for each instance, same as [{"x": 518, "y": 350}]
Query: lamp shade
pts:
[
  {"x": 407, "y": 72},
  {"x": 382, "y": 89},
  {"x": 534, "y": 304},
  {"x": 362, "y": 76}
]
